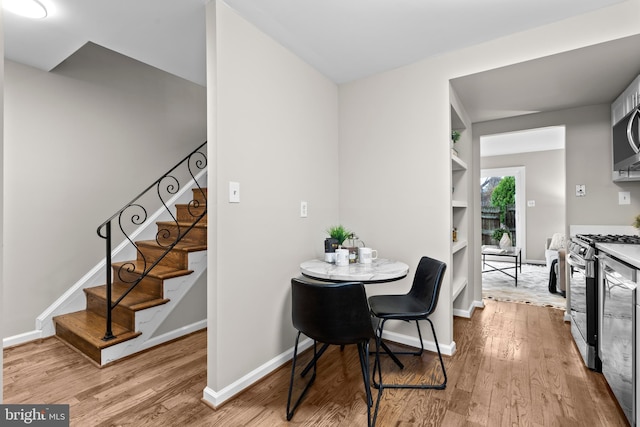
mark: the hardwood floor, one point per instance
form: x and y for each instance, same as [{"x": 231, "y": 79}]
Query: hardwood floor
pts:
[{"x": 516, "y": 365}]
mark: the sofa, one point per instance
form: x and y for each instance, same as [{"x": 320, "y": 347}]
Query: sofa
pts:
[{"x": 555, "y": 249}]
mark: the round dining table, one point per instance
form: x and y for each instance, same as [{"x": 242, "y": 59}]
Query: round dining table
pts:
[{"x": 379, "y": 271}]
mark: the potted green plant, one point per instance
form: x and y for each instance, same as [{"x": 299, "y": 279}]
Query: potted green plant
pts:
[
  {"x": 455, "y": 136},
  {"x": 339, "y": 233}
]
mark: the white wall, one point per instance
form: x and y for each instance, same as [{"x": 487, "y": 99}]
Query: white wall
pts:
[
  {"x": 406, "y": 111},
  {"x": 275, "y": 124},
  {"x": 588, "y": 161},
  {"x": 544, "y": 178},
  {"x": 383, "y": 125},
  {"x": 273, "y": 127},
  {"x": 81, "y": 141},
  {"x": 192, "y": 309}
]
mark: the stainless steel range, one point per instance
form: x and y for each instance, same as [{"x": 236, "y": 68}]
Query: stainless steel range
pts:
[
  {"x": 583, "y": 298},
  {"x": 583, "y": 291}
]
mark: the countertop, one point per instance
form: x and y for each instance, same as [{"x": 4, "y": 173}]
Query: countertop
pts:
[{"x": 624, "y": 252}]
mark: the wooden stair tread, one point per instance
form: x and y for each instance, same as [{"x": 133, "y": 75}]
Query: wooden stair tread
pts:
[
  {"x": 184, "y": 224},
  {"x": 162, "y": 272},
  {"x": 90, "y": 327},
  {"x": 135, "y": 300},
  {"x": 180, "y": 246}
]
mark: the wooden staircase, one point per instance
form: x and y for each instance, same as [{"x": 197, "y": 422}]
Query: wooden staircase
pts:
[{"x": 84, "y": 330}]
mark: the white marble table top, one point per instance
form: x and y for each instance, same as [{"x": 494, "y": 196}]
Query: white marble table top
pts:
[{"x": 380, "y": 270}]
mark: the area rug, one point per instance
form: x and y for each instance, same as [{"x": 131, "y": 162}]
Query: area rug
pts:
[{"x": 533, "y": 286}]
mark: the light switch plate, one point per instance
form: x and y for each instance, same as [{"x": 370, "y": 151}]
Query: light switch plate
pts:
[
  {"x": 303, "y": 209},
  {"x": 234, "y": 192},
  {"x": 624, "y": 198},
  {"x": 531, "y": 203},
  {"x": 581, "y": 190}
]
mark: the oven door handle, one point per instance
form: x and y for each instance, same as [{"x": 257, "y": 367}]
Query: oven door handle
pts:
[{"x": 574, "y": 261}]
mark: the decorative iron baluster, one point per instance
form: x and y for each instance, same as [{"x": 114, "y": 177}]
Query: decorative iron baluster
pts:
[{"x": 135, "y": 214}]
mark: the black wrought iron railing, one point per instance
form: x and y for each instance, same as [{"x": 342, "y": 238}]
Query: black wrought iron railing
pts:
[{"x": 136, "y": 213}]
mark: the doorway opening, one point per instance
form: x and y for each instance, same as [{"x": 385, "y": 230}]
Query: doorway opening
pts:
[
  {"x": 502, "y": 192},
  {"x": 536, "y": 211}
]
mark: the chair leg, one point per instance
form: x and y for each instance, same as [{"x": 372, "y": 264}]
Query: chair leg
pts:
[
  {"x": 440, "y": 386},
  {"x": 364, "y": 360},
  {"x": 290, "y": 411},
  {"x": 363, "y": 352},
  {"x": 443, "y": 385}
]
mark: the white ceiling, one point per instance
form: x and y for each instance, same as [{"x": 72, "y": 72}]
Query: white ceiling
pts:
[
  {"x": 350, "y": 39},
  {"x": 167, "y": 34},
  {"x": 593, "y": 75},
  {"x": 524, "y": 141},
  {"x": 343, "y": 39}
]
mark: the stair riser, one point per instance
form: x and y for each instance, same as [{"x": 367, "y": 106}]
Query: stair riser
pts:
[
  {"x": 120, "y": 315},
  {"x": 186, "y": 213},
  {"x": 84, "y": 347},
  {"x": 171, "y": 232},
  {"x": 200, "y": 195},
  {"x": 175, "y": 258},
  {"x": 149, "y": 285}
]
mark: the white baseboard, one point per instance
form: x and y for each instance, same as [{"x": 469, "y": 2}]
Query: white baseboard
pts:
[
  {"x": 468, "y": 312},
  {"x": 217, "y": 398},
  {"x": 22, "y": 338},
  {"x": 172, "y": 335},
  {"x": 447, "y": 349},
  {"x": 160, "y": 339}
]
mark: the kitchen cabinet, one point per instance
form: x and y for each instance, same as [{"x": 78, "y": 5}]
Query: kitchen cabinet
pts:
[{"x": 627, "y": 101}]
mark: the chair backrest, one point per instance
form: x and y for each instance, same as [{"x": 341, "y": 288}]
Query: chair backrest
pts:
[
  {"x": 332, "y": 313},
  {"x": 427, "y": 282}
]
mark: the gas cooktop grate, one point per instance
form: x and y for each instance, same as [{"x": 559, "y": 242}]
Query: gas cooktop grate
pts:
[{"x": 610, "y": 238}]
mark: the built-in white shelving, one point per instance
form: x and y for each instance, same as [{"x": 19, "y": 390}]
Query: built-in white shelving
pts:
[
  {"x": 460, "y": 195},
  {"x": 458, "y": 246},
  {"x": 458, "y": 285},
  {"x": 457, "y": 163}
]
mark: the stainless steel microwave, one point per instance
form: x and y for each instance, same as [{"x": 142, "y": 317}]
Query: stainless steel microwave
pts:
[{"x": 626, "y": 147}]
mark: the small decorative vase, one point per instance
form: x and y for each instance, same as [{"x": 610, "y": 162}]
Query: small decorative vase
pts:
[{"x": 505, "y": 241}]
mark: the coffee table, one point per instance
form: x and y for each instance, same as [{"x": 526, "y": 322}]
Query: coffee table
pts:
[{"x": 509, "y": 252}]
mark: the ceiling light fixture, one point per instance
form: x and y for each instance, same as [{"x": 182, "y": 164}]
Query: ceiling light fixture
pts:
[{"x": 27, "y": 8}]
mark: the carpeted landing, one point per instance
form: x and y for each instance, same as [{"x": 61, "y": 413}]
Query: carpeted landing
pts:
[{"x": 533, "y": 286}]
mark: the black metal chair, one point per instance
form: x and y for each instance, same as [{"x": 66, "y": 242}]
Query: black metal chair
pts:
[
  {"x": 338, "y": 314},
  {"x": 416, "y": 305}
]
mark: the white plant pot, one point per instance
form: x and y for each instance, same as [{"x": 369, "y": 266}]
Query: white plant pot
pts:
[{"x": 505, "y": 241}]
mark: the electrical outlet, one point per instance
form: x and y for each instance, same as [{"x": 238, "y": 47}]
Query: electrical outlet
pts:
[
  {"x": 303, "y": 209},
  {"x": 624, "y": 198}
]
